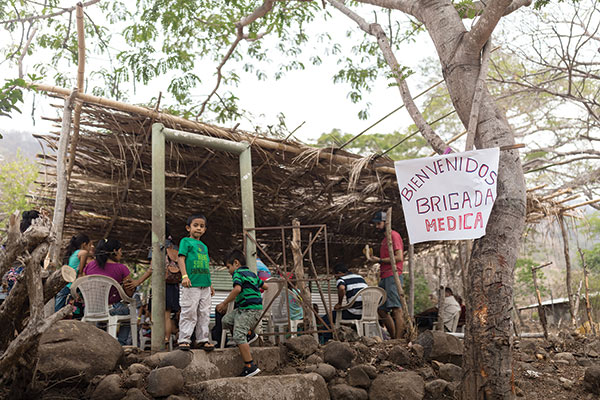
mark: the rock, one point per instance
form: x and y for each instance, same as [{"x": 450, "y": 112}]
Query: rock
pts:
[
  {"x": 132, "y": 359},
  {"x": 310, "y": 368},
  {"x": 178, "y": 359},
  {"x": 388, "y": 386},
  {"x": 417, "y": 350},
  {"x": 567, "y": 357},
  {"x": 591, "y": 379},
  {"x": 539, "y": 356},
  {"x": 109, "y": 388},
  {"x": 289, "y": 387},
  {"x": 426, "y": 372},
  {"x": 70, "y": 348},
  {"x": 326, "y": 371},
  {"x": 368, "y": 341},
  {"x": 361, "y": 348},
  {"x": 288, "y": 370},
  {"x": 138, "y": 369},
  {"x": 562, "y": 362},
  {"x": 229, "y": 361},
  {"x": 370, "y": 370},
  {"x": 399, "y": 355},
  {"x": 338, "y": 354},
  {"x": 135, "y": 394},
  {"x": 566, "y": 383},
  {"x": 200, "y": 368},
  {"x": 440, "y": 346},
  {"x": 314, "y": 359},
  {"x": 152, "y": 361},
  {"x": 303, "y": 346},
  {"x": 175, "y": 397},
  {"x": 346, "y": 392},
  {"x": 528, "y": 346},
  {"x": 134, "y": 381},
  {"x": 435, "y": 389},
  {"x": 584, "y": 362},
  {"x": 164, "y": 381},
  {"x": 451, "y": 372},
  {"x": 347, "y": 334},
  {"x": 358, "y": 377},
  {"x": 519, "y": 392}
]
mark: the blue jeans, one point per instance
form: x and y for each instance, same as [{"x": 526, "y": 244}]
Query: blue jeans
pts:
[
  {"x": 124, "y": 334},
  {"x": 61, "y": 298}
]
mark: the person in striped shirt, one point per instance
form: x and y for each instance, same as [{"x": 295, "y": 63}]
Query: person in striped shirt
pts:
[
  {"x": 348, "y": 284},
  {"x": 248, "y": 307}
]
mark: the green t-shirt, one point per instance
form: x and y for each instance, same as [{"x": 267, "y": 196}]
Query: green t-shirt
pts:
[{"x": 196, "y": 261}]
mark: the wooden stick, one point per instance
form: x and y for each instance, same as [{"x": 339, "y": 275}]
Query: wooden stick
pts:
[
  {"x": 61, "y": 182},
  {"x": 541, "y": 310},
  {"x": 588, "y": 306},
  {"x": 476, "y": 103},
  {"x": 585, "y": 203},
  {"x": 538, "y": 187},
  {"x": 80, "y": 82},
  {"x": 565, "y": 239},
  {"x": 408, "y": 320},
  {"x": 556, "y": 194},
  {"x": 299, "y": 274}
]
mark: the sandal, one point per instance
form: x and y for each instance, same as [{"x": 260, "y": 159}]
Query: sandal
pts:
[
  {"x": 184, "y": 346},
  {"x": 206, "y": 346}
]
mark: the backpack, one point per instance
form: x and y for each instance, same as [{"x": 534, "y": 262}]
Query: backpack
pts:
[{"x": 173, "y": 274}]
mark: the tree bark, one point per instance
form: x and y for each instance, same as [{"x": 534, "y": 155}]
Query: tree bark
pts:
[
  {"x": 487, "y": 360},
  {"x": 565, "y": 239}
]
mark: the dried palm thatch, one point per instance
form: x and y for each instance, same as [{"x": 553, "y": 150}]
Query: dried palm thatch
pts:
[{"x": 110, "y": 188}]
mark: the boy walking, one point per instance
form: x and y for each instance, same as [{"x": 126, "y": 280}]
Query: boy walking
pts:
[
  {"x": 196, "y": 288},
  {"x": 248, "y": 307}
]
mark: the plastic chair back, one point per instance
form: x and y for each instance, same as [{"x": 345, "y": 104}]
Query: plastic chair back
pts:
[
  {"x": 372, "y": 298},
  {"x": 95, "y": 290}
]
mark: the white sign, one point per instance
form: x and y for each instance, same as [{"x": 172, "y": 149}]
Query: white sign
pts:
[{"x": 448, "y": 197}]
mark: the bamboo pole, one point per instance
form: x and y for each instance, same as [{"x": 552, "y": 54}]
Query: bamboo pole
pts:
[
  {"x": 541, "y": 310},
  {"x": 565, "y": 238},
  {"x": 299, "y": 274},
  {"x": 588, "y": 306},
  {"x": 183, "y": 123},
  {"x": 411, "y": 275},
  {"x": 408, "y": 320},
  {"x": 80, "y": 75},
  {"x": 60, "y": 202}
]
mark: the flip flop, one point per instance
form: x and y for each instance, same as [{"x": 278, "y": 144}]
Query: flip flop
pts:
[
  {"x": 184, "y": 346},
  {"x": 206, "y": 346}
]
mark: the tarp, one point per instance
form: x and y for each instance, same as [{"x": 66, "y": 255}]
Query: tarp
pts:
[{"x": 448, "y": 197}]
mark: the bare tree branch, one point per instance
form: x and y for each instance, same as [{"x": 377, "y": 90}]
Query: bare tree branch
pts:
[
  {"x": 46, "y": 16},
  {"x": 406, "y": 6},
  {"x": 24, "y": 52},
  {"x": 475, "y": 105},
  {"x": 376, "y": 30},
  {"x": 484, "y": 27},
  {"x": 256, "y": 14}
]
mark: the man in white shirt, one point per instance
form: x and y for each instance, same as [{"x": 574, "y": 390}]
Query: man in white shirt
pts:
[{"x": 450, "y": 309}]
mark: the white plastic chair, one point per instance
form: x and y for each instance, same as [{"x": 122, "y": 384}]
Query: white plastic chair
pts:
[
  {"x": 277, "y": 315},
  {"x": 372, "y": 297},
  {"x": 95, "y": 290}
]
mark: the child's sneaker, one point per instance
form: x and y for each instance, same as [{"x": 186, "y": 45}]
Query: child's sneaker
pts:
[
  {"x": 251, "y": 337},
  {"x": 250, "y": 371}
]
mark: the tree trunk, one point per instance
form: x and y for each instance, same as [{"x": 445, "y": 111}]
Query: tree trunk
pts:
[
  {"x": 488, "y": 343},
  {"x": 565, "y": 238},
  {"x": 299, "y": 275}
]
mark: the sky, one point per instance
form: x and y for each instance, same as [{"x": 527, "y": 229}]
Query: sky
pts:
[{"x": 308, "y": 96}]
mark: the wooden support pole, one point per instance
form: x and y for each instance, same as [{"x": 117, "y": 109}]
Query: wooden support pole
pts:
[
  {"x": 411, "y": 276},
  {"x": 80, "y": 82},
  {"x": 565, "y": 238},
  {"x": 410, "y": 330},
  {"x": 298, "y": 271},
  {"x": 588, "y": 306},
  {"x": 60, "y": 202},
  {"x": 439, "y": 324},
  {"x": 541, "y": 311}
]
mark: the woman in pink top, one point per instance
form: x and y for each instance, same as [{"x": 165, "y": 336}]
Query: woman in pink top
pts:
[{"x": 108, "y": 254}]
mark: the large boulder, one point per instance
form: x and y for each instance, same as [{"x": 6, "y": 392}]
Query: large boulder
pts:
[
  {"x": 338, "y": 354},
  {"x": 591, "y": 379},
  {"x": 450, "y": 372},
  {"x": 406, "y": 385},
  {"x": 73, "y": 348},
  {"x": 303, "y": 346},
  {"x": 441, "y": 347},
  {"x": 289, "y": 387},
  {"x": 358, "y": 377},
  {"x": 199, "y": 369}
]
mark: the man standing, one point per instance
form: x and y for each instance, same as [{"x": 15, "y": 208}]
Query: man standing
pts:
[{"x": 390, "y": 311}]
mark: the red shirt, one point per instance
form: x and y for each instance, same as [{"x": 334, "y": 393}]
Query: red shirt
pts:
[{"x": 386, "y": 268}]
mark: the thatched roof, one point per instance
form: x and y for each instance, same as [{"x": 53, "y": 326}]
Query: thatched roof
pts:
[{"x": 110, "y": 188}]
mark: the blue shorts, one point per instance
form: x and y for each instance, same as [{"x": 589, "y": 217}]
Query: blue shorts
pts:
[{"x": 393, "y": 298}]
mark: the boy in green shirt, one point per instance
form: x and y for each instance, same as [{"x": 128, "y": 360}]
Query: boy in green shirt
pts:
[
  {"x": 196, "y": 288},
  {"x": 248, "y": 307}
]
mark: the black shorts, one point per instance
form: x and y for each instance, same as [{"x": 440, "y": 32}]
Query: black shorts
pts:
[{"x": 172, "y": 296}]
